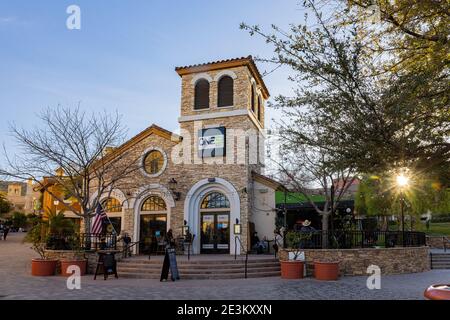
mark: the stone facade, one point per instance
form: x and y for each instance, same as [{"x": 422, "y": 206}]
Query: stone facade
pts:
[
  {"x": 231, "y": 175},
  {"x": 354, "y": 262},
  {"x": 438, "y": 242}
]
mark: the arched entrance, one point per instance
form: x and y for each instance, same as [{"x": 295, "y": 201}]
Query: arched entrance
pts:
[
  {"x": 152, "y": 224},
  {"x": 215, "y": 223},
  {"x": 152, "y": 212},
  {"x": 193, "y": 210}
]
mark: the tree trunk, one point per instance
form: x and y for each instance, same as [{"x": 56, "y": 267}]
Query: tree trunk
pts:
[
  {"x": 87, "y": 231},
  {"x": 325, "y": 230}
]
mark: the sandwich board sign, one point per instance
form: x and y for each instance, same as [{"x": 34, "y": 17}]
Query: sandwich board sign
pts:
[{"x": 170, "y": 263}]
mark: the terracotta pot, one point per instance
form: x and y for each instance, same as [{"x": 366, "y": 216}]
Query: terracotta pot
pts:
[
  {"x": 438, "y": 292},
  {"x": 292, "y": 269},
  {"x": 328, "y": 271},
  {"x": 82, "y": 264},
  {"x": 42, "y": 267}
]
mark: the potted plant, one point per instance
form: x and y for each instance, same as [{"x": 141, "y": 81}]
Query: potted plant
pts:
[
  {"x": 63, "y": 237},
  {"x": 37, "y": 236},
  {"x": 293, "y": 268},
  {"x": 327, "y": 269},
  {"x": 79, "y": 259}
]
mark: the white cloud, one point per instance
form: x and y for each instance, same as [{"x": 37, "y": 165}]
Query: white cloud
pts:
[{"x": 5, "y": 20}]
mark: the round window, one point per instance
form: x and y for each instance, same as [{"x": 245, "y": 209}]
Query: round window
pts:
[{"x": 153, "y": 162}]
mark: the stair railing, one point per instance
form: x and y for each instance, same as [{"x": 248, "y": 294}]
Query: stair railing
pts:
[
  {"x": 236, "y": 240},
  {"x": 445, "y": 240},
  {"x": 127, "y": 250}
]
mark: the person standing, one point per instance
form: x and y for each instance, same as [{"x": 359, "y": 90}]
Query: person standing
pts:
[{"x": 5, "y": 232}]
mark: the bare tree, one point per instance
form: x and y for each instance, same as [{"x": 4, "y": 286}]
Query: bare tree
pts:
[{"x": 75, "y": 143}]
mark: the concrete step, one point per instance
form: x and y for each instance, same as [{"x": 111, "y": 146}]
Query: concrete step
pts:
[
  {"x": 201, "y": 276},
  {"x": 200, "y": 266},
  {"x": 196, "y": 271},
  {"x": 441, "y": 266},
  {"x": 200, "y": 262}
]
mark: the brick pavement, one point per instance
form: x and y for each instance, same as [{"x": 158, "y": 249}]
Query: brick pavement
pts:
[{"x": 17, "y": 283}]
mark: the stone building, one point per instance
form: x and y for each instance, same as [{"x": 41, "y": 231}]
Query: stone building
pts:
[
  {"x": 208, "y": 178},
  {"x": 21, "y": 195}
]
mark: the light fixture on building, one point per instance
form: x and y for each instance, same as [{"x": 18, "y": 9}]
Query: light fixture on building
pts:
[
  {"x": 211, "y": 180},
  {"x": 237, "y": 227},
  {"x": 185, "y": 229},
  {"x": 56, "y": 202},
  {"x": 173, "y": 187}
]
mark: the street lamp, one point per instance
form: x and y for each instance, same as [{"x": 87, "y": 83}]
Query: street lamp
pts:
[
  {"x": 173, "y": 187},
  {"x": 402, "y": 182},
  {"x": 237, "y": 227},
  {"x": 185, "y": 229}
]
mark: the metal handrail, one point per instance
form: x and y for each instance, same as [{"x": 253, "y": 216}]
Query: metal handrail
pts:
[
  {"x": 444, "y": 243},
  {"x": 237, "y": 239},
  {"x": 128, "y": 248}
]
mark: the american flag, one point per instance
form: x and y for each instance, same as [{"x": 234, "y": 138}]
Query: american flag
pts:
[{"x": 97, "y": 221}]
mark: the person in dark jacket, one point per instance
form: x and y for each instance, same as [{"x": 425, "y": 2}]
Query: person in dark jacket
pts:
[{"x": 5, "y": 232}]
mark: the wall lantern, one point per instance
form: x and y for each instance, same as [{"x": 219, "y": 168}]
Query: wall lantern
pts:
[
  {"x": 173, "y": 187},
  {"x": 185, "y": 229},
  {"x": 237, "y": 228},
  {"x": 56, "y": 202}
]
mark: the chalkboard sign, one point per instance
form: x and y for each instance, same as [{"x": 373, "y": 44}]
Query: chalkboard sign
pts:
[{"x": 170, "y": 263}]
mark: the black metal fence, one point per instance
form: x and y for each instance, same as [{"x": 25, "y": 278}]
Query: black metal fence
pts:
[
  {"x": 344, "y": 239},
  {"x": 83, "y": 241}
]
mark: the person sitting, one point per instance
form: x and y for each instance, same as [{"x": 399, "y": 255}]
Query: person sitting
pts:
[
  {"x": 258, "y": 245},
  {"x": 126, "y": 239},
  {"x": 308, "y": 230}
]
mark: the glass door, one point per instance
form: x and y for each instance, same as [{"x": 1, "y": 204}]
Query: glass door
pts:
[
  {"x": 215, "y": 233},
  {"x": 153, "y": 226}
]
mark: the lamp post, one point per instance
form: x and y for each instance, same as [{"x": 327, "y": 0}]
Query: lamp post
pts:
[
  {"x": 173, "y": 187},
  {"x": 402, "y": 182}
]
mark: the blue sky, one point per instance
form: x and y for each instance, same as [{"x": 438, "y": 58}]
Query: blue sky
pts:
[{"x": 124, "y": 56}]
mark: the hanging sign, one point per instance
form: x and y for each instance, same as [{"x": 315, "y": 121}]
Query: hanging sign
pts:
[{"x": 211, "y": 142}]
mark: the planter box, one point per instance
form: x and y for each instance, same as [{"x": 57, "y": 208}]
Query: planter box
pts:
[
  {"x": 43, "y": 268},
  {"x": 82, "y": 264},
  {"x": 328, "y": 271},
  {"x": 292, "y": 269}
]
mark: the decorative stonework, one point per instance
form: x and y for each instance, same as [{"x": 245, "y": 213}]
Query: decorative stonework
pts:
[{"x": 354, "y": 262}]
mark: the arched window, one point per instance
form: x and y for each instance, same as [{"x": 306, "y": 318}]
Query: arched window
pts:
[
  {"x": 154, "y": 203},
  {"x": 225, "y": 88},
  {"x": 201, "y": 94},
  {"x": 259, "y": 108},
  {"x": 215, "y": 200},
  {"x": 153, "y": 162},
  {"x": 253, "y": 98},
  {"x": 112, "y": 205}
]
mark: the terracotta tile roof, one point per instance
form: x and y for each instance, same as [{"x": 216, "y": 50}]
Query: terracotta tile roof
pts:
[
  {"x": 227, "y": 63},
  {"x": 268, "y": 181},
  {"x": 215, "y": 62}
]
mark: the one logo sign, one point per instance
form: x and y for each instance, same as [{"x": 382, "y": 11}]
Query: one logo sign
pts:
[{"x": 211, "y": 142}]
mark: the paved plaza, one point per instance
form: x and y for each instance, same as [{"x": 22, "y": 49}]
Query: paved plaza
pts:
[{"x": 17, "y": 283}]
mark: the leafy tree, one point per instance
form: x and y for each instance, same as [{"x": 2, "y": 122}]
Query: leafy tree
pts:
[
  {"x": 19, "y": 220},
  {"x": 375, "y": 121},
  {"x": 5, "y": 205}
]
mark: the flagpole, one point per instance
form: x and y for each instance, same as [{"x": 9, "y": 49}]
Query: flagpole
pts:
[{"x": 114, "y": 229}]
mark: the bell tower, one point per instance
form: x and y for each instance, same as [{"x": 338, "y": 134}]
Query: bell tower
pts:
[{"x": 227, "y": 94}]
